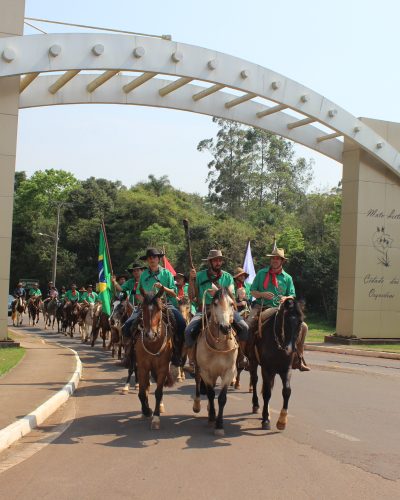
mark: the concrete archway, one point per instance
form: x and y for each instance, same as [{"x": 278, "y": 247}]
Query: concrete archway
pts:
[{"x": 155, "y": 72}]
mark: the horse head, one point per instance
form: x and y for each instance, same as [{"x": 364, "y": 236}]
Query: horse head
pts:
[
  {"x": 289, "y": 321},
  {"x": 152, "y": 308},
  {"x": 222, "y": 309}
]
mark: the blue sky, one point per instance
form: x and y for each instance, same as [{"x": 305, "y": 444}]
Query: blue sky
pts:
[{"x": 345, "y": 50}]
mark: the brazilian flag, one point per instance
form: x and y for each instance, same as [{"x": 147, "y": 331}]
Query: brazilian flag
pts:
[{"x": 104, "y": 275}]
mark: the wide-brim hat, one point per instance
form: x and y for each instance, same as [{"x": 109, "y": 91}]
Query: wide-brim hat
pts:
[
  {"x": 151, "y": 252},
  {"x": 82, "y": 289},
  {"x": 19, "y": 283},
  {"x": 89, "y": 286},
  {"x": 278, "y": 252},
  {"x": 213, "y": 254},
  {"x": 183, "y": 276},
  {"x": 239, "y": 271},
  {"x": 133, "y": 266}
]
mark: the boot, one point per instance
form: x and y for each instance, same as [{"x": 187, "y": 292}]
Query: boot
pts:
[
  {"x": 298, "y": 360},
  {"x": 191, "y": 354}
]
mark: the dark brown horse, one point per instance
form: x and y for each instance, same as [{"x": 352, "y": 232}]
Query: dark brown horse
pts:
[
  {"x": 34, "y": 304},
  {"x": 101, "y": 324},
  {"x": 153, "y": 350},
  {"x": 71, "y": 316},
  {"x": 274, "y": 349}
]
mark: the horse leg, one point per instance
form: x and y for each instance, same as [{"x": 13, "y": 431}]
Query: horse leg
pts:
[
  {"x": 197, "y": 399},
  {"x": 158, "y": 393},
  {"x": 237, "y": 381},
  {"x": 253, "y": 383},
  {"x": 219, "y": 424},
  {"x": 144, "y": 380},
  {"x": 131, "y": 368},
  {"x": 211, "y": 404},
  {"x": 286, "y": 392},
  {"x": 268, "y": 381}
]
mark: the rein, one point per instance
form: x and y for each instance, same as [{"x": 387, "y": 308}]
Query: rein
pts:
[{"x": 166, "y": 336}]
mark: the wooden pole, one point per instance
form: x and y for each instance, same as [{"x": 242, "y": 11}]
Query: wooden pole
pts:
[{"x": 103, "y": 227}]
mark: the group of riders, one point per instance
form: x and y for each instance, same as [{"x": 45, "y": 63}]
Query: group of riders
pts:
[{"x": 271, "y": 286}]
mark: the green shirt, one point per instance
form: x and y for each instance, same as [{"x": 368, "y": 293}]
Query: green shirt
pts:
[
  {"x": 34, "y": 293},
  {"x": 148, "y": 279},
  {"x": 72, "y": 297},
  {"x": 285, "y": 287},
  {"x": 203, "y": 283},
  {"x": 91, "y": 297},
  {"x": 129, "y": 286}
]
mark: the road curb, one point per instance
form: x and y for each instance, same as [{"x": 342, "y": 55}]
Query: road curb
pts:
[
  {"x": 26, "y": 424},
  {"x": 352, "y": 352}
]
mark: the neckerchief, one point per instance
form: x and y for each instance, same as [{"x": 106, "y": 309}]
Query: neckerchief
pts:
[
  {"x": 153, "y": 275},
  {"x": 272, "y": 274},
  {"x": 239, "y": 284},
  {"x": 181, "y": 292},
  {"x": 135, "y": 287}
]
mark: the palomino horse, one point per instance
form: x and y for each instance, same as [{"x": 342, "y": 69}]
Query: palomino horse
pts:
[
  {"x": 86, "y": 320},
  {"x": 18, "y": 308},
  {"x": 153, "y": 350},
  {"x": 34, "y": 304},
  {"x": 274, "y": 349},
  {"x": 50, "y": 312},
  {"x": 216, "y": 354}
]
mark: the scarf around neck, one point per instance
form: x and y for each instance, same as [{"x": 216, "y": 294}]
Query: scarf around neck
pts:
[{"x": 271, "y": 274}]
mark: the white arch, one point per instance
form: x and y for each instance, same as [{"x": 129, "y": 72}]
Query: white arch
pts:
[{"x": 73, "y": 53}]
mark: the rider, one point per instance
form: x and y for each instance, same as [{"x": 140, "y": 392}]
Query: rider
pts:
[
  {"x": 242, "y": 290},
  {"x": 89, "y": 296},
  {"x": 19, "y": 291},
  {"x": 35, "y": 292},
  {"x": 202, "y": 286},
  {"x": 63, "y": 291},
  {"x": 132, "y": 285},
  {"x": 71, "y": 295},
  {"x": 271, "y": 286},
  {"x": 50, "y": 291},
  {"x": 182, "y": 291},
  {"x": 156, "y": 277}
]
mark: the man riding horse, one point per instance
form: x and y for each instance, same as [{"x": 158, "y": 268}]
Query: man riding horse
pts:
[
  {"x": 19, "y": 291},
  {"x": 131, "y": 286},
  {"x": 271, "y": 286},
  {"x": 202, "y": 288},
  {"x": 34, "y": 292},
  {"x": 156, "y": 277}
]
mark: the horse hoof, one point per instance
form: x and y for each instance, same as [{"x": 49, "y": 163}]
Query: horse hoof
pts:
[
  {"x": 136, "y": 387},
  {"x": 162, "y": 408},
  {"x": 266, "y": 425},
  {"x": 149, "y": 414},
  {"x": 256, "y": 409},
  {"x": 125, "y": 389},
  {"x": 250, "y": 388},
  {"x": 219, "y": 432},
  {"x": 196, "y": 406},
  {"x": 237, "y": 385},
  {"x": 281, "y": 426},
  {"x": 179, "y": 379},
  {"x": 155, "y": 423}
]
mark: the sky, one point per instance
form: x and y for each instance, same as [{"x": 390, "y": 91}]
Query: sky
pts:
[{"x": 346, "y": 50}]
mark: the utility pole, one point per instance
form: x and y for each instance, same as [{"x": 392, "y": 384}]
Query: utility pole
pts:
[{"x": 56, "y": 244}]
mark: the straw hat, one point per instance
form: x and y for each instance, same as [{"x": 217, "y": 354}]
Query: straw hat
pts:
[
  {"x": 213, "y": 254},
  {"x": 239, "y": 271},
  {"x": 278, "y": 252}
]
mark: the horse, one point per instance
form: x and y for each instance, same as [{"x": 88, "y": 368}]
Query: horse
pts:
[
  {"x": 274, "y": 348},
  {"x": 86, "y": 320},
  {"x": 33, "y": 310},
  {"x": 18, "y": 308},
  {"x": 184, "y": 307},
  {"x": 153, "y": 351},
  {"x": 101, "y": 324},
  {"x": 50, "y": 311},
  {"x": 61, "y": 321},
  {"x": 216, "y": 354},
  {"x": 71, "y": 316},
  {"x": 122, "y": 309}
]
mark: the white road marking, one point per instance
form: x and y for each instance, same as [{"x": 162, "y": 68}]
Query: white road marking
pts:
[{"x": 343, "y": 436}]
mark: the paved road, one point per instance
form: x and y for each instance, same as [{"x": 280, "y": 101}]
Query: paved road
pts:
[{"x": 342, "y": 439}]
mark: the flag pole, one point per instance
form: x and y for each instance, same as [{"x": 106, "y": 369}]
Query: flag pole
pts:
[
  {"x": 103, "y": 227},
  {"x": 245, "y": 250}
]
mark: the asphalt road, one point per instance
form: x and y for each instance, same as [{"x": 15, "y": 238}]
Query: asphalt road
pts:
[{"x": 342, "y": 439}]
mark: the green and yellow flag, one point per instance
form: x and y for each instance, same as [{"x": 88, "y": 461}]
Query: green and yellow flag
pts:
[{"x": 104, "y": 275}]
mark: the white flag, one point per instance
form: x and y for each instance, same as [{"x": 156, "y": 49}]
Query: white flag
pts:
[{"x": 248, "y": 264}]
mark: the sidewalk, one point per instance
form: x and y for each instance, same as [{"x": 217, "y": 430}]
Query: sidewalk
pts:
[
  {"x": 352, "y": 351},
  {"x": 43, "y": 371}
]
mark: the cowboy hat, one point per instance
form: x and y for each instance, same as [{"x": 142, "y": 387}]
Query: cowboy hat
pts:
[
  {"x": 239, "y": 271},
  {"x": 82, "y": 289},
  {"x": 133, "y": 266},
  {"x": 151, "y": 252},
  {"x": 181, "y": 274},
  {"x": 278, "y": 252},
  {"x": 213, "y": 254}
]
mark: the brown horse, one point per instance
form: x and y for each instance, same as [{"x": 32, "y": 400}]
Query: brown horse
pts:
[
  {"x": 122, "y": 309},
  {"x": 153, "y": 350},
  {"x": 71, "y": 315},
  {"x": 18, "y": 308},
  {"x": 101, "y": 324},
  {"x": 216, "y": 354},
  {"x": 184, "y": 307},
  {"x": 34, "y": 304},
  {"x": 274, "y": 349}
]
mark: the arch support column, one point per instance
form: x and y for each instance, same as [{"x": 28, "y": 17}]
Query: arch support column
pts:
[
  {"x": 369, "y": 263},
  {"x": 11, "y": 24}
]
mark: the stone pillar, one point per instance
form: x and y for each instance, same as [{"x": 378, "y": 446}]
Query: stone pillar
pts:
[
  {"x": 369, "y": 267},
  {"x": 11, "y": 24}
]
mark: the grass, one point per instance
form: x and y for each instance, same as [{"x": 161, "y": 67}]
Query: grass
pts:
[
  {"x": 9, "y": 357},
  {"x": 318, "y": 328}
]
